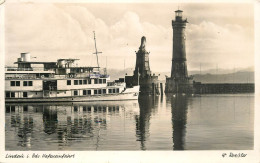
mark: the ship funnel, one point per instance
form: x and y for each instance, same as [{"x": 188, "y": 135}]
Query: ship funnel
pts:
[{"x": 25, "y": 57}]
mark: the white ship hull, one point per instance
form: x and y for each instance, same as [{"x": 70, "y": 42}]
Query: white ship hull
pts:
[{"x": 129, "y": 94}]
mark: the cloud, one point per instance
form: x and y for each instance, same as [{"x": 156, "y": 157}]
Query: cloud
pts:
[
  {"x": 228, "y": 46},
  {"x": 42, "y": 30},
  {"x": 66, "y": 31}
]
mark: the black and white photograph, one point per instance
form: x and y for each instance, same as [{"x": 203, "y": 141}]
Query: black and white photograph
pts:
[{"x": 126, "y": 77}]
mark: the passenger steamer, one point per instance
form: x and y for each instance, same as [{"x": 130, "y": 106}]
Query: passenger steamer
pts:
[{"x": 61, "y": 81}]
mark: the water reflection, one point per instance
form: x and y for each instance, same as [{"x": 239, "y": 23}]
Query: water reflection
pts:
[
  {"x": 25, "y": 131},
  {"x": 50, "y": 120},
  {"x": 151, "y": 123},
  {"x": 85, "y": 121},
  {"x": 147, "y": 105},
  {"x": 179, "y": 109},
  {"x": 67, "y": 122},
  {"x": 24, "y": 124}
]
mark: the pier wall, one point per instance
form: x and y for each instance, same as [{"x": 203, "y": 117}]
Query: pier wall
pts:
[
  {"x": 148, "y": 85},
  {"x": 220, "y": 88}
]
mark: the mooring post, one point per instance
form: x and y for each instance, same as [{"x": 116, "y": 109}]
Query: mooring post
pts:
[
  {"x": 161, "y": 88},
  {"x": 153, "y": 89}
]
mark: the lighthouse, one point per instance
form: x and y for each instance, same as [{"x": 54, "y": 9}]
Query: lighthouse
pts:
[
  {"x": 142, "y": 60},
  {"x": 143, "y": 76},
  {"x": 179, "y": 81}
]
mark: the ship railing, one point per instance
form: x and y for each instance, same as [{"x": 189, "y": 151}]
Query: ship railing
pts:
[
  {"x": 27, "y": 69},
  {"x": 99, "y": 76},
  {"x": 17, "y": 76},
  {"x": 20, "y": 77},
  {"x": 52, "y": 75},
  {"x": 26, "y": 77}
]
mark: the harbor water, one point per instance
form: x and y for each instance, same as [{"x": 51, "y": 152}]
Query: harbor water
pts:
[{"x": 206, "y": 122}]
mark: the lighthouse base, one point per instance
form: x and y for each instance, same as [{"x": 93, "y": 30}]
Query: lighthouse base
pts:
[
  {"x": 149, "y": 85},
  {"x": 176, "y": 86}
]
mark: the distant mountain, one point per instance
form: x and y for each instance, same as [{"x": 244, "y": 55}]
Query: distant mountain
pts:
[
  {"x": 221, "y": 71},
  {"x": 237, "y": 77},
  {"x": 241, "y": 76},
  {"x": 116, "y": 74}
]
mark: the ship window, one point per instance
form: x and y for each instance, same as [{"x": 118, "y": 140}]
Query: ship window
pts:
[
  {"x": 75, "y": 82},
  {"x": 110, "y": 90},
  {"x": 84, "y": 81},
  {"x": 7, "y": 108},
  {"x": 17, "y": 83},
  {"x": 100, "y": 81},
  {"x": 12, "y": 94},
  {"x": 68, "y": 82},
  {"x": 75, "y": 92},
  {"x": 104, "y": 91},
  {"x": 24, "y": 94},
  {"x": 7, "y": 94},
  {"x": 117, "y": 90},
  {"x": 114, "y": 90},
  {"x": 89, "y": 81},
  {"x": 95, "y": 92},
  {"x": 89, "y": 92},
  {"x": 99, "y": 91},
  {"x": 13, "y": 108},
  {"x": 27, "y": 83},
  {"x": 80, "y": 82},
  {"x": 104, "y": 80},
  {"x": 12, "y": 83},
  {"x": 84, "y": 92},
  {"x": 25, "y": 108},
  {"x": 75, "y": 108},
  {"x": 24, "y": 83},
  {"x": 95, "y": 81}
]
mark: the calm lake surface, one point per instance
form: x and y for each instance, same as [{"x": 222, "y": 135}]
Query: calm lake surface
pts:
[{"x": 208, "y": 122}]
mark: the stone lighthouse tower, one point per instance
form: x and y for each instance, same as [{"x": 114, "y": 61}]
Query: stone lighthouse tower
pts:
[
  {"x": 179, "y": 82},
  {"x": 149, "y": 83},
  {"x": 142, "y": 60}
]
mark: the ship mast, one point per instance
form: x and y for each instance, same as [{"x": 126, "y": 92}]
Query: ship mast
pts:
[{"x": 96, "y": 49}]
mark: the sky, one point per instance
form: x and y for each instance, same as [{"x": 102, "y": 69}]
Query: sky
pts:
[{"x": 218, "y": 34}]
